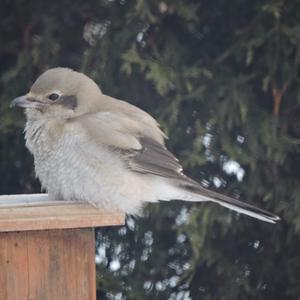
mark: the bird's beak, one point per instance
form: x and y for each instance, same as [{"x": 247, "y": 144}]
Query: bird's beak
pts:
[{"x": 22, "y": 101}]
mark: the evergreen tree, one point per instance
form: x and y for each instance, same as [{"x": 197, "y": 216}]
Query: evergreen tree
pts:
[{"x": 222, "y": 77}]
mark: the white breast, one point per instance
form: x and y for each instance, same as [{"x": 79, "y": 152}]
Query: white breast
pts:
[{"x": 71, "y": 167}]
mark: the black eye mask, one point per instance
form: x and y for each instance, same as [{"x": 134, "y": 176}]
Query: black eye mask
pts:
[{"x": 69, "y": 101}]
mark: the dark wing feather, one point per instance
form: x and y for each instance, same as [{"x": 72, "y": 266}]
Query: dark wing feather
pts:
[{"x": 153, "y": 158}]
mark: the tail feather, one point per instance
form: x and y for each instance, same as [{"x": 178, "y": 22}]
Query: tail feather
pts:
[{"x": 231, "y": 203}]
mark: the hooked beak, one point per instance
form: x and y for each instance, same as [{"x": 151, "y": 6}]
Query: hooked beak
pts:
[{"x": 23, "y": 101}]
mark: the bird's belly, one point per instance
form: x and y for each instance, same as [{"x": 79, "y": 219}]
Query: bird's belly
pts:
[
  {"x": 71, "y": 167},
  {"x": 77, "y": 173}
]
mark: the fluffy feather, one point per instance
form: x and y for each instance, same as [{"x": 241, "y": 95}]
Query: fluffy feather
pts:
[{"x": 105, "y": 151}]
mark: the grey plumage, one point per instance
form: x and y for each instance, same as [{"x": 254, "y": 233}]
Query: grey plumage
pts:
[
  {"x": 153, "y": 158},
  {"x": 89, "y": 146}
]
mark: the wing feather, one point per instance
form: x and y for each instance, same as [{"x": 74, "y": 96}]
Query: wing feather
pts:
[
  {"x": 137, "y": 142},
  {"x": 140, "y": 144},
  {"x": 155, "y": 159}
]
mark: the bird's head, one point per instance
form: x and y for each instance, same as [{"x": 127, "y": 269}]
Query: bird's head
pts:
[{"x": 60, "y": 93}]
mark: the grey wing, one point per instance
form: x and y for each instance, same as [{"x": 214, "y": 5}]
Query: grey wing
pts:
[{"x": 153, "y": 158}]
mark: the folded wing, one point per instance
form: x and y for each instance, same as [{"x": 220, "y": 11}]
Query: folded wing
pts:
[{"x": 141, "y": 146}]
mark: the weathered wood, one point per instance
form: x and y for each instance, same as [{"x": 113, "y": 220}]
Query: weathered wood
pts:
[
  {"x": 35, "y": 212},
  {"x": 47, "y": 265},
  {"x": 41, "y": 264},
  {"x": 13, "y": 263}
]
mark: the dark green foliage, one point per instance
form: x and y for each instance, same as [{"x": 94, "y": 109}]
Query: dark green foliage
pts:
[{"x": 222, "y": 77}]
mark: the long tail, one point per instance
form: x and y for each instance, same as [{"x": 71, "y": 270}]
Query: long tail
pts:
[{"x": 247, "y": 209}]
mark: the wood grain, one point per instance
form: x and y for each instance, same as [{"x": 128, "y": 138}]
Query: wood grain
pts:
[
  {"x": 13, "y": 267},
  {"x": 41, "y": 214},
  {"x": 41, "y": 264},
  {"x": 48, "y": 265}
]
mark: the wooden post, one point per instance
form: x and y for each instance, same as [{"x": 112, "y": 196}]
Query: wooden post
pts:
[{"x": 47, "y": 249}]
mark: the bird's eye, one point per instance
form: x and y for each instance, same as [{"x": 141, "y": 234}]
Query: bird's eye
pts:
[{"x": 53, "y": 96}]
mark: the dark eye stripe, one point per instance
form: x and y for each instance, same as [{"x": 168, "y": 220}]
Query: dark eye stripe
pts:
[
  {"x": 69, "y": 101},
  {"x": 53, "y": 96}
]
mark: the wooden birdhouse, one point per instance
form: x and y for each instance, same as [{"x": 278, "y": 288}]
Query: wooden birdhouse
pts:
[{"x": 47, "y": 249}]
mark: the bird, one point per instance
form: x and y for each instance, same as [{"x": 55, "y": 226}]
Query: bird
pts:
[{"x": 88, "y": 146}]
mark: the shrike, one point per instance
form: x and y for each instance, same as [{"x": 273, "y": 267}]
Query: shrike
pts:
[{"x": 88, "y": 146}]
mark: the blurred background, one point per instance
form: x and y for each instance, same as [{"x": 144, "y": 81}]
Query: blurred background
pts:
[{"x": 222, "y": 78}]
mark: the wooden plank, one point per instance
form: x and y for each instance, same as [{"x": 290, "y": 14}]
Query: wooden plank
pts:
[
  {"x": 36, "y": 212},
  {"x": 13, "y": 267},
  {"x": 48, "y": 265}
]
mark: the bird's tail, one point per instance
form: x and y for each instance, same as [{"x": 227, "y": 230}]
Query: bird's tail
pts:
[{"x": 201, "y": 194}]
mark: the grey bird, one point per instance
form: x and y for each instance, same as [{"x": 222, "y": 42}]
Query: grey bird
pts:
[{"x": 88, "y": 146}]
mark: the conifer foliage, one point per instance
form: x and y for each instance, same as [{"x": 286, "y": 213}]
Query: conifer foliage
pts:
[{"x": 222, "y": 77}]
